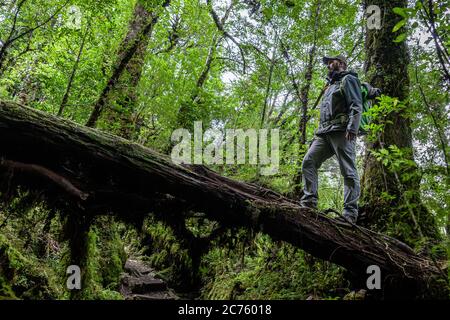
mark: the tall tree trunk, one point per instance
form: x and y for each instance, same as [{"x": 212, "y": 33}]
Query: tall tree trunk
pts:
[
  {"x": 402, "y": 212},
  {"x": 130, "y": 60},
  {"x": 124, "y": 98}
]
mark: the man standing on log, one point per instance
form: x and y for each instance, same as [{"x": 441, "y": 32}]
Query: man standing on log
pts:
[{"x": 340, "y": 114}]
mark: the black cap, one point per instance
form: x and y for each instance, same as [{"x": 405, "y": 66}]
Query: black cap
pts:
[{"x": 339, "y": 57}]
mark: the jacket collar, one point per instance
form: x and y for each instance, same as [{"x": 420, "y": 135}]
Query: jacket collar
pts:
[{"x": 337, "y": 76}]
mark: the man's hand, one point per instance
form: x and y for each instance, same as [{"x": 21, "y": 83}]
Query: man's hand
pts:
[{"x": 350, "y": 136}]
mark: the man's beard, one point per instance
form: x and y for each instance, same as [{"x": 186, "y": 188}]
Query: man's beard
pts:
[{"x": 332, "y": 72}]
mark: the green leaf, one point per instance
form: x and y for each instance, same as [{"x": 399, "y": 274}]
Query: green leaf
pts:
[
  {"x": 399, "y": 24},
  {"x": 400, "y": 12},
  {"x": 268, "y": 13},
  {"x": 400, "y": 38},
  {"x": 418, "y": 5}
]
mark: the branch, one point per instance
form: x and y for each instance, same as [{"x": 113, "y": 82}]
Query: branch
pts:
[
  {"x": 220, "y": 27},
  {"x": 39, "y": 25},
  {"x": 442, "y": 55},
  {"x": 48, "y": 174}
]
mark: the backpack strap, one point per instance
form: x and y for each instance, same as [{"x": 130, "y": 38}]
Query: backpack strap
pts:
[
  {"x": 342, "y": 81},
  {"x": 341, "y": 84}
]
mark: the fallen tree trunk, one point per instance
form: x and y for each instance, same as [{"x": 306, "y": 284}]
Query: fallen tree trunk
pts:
[{"x": 91, "y": 173}]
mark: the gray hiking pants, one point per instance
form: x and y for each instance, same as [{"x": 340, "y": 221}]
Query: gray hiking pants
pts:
[{"x": 323, "y": 147}]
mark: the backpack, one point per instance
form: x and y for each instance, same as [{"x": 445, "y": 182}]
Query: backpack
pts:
[{"x": 369, "y": 93}]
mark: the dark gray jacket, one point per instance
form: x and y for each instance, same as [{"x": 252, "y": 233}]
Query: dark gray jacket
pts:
[{"x": 341, "y": 100}]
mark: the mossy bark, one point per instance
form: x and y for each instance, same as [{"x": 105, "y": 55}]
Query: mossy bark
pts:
[
  {"x": 123, "y": 98},
  {"x": 403, "y": 215},
  {"x": 121, "y": 85}
]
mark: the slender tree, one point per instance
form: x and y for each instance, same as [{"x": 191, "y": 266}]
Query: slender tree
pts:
[
  {"x": 65, "y": 98},
  {"x": 130, "y": 58},
  {"x": 303, "y": 93}
]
